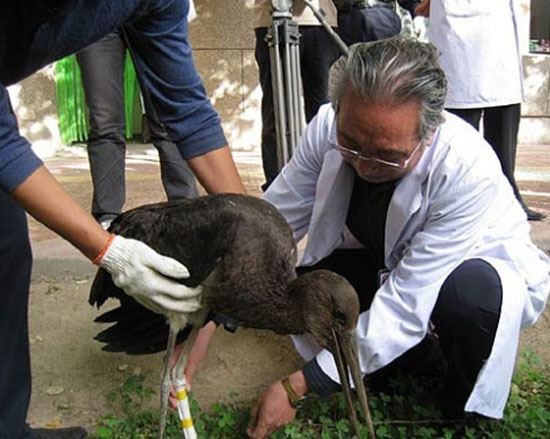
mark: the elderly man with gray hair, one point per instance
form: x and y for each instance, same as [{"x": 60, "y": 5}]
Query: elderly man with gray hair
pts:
[{"x": 410, "y": 204}]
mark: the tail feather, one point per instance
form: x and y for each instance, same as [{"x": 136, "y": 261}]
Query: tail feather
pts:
[{"x": 137, "y": 338}]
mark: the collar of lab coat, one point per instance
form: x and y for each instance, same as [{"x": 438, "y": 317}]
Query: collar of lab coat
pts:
[
  {"x": 333, "y": 193},
  {"x": 330, "y": 209},
  {"x": 407, "y": 197}
]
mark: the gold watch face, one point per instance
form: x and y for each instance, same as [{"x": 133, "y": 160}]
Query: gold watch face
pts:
[{"x": 299, "y": 403}]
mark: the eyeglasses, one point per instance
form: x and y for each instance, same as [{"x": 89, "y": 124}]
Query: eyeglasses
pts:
[{"x": 351, "y": 155}]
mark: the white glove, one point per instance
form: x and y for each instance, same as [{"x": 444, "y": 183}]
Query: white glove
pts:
[{"x": 145, "y": 275}]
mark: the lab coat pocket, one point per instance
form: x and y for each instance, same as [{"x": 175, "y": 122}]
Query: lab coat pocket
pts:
[{"x": 468, "y": 8}]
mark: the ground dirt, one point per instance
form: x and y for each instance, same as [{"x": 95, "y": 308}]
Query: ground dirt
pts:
[{"x": 72, "y": 376}]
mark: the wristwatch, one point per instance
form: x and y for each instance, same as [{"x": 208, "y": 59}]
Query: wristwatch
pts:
[{"x": 295, "y": 400}]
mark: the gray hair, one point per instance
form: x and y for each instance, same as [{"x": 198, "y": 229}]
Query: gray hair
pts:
[{"x": 396, "y": 70}]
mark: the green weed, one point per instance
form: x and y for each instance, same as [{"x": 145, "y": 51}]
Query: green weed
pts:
[{"x": 407, "y": 410}]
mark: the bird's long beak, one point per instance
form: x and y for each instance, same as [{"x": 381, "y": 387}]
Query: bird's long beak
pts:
[{"x": 344, "y": 350}]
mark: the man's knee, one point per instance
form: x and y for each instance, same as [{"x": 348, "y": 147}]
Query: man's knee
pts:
[
  {"x": 468, "y": 308},
  {"x": 473, "y": 285}
]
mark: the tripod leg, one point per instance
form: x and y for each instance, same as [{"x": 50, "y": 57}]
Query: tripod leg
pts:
[
  {"x": 298, "y": 101},
  {"x": 278, "y": 93},
  {"x": 289, "y": 91}
]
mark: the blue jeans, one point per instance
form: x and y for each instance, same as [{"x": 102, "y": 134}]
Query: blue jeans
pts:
[{"x": 15, "y": 272}]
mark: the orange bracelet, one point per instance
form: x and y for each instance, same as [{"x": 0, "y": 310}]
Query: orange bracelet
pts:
[{"x": 99, "y": 257}]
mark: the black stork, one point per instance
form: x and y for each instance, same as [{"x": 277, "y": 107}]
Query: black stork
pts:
[{"x": 242, "y": 252}]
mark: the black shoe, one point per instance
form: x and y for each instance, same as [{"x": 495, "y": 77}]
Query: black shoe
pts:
[
  {"x": 59, "y": 433},
  {"x": 533, "y": 215}
]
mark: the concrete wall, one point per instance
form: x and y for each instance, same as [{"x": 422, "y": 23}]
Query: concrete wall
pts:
[
  {"x": 535, "y": 122},
  {"x": 223, "y": 46},
  {"x": 34, "y": 102},
  {"x": 223, "y": 42}
]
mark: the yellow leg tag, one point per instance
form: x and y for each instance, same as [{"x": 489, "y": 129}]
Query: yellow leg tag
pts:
[
  {"x": 181, "y": 395},
  {"x": 187, "y": 423}
]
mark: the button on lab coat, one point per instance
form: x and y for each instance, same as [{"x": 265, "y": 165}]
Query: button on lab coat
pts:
[
  {"x": 480, "y": 51},
  {"x": 454, "y": 205}
]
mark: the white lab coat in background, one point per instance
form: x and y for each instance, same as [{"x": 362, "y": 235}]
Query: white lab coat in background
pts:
[
  {"x": 454, "y": 205},
  {"x": 480, "y": 51},
  {"x": 192, "y": 14}
]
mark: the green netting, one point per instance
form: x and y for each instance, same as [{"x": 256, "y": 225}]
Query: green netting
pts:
[
  {"x": 71, "y": 108},
  {"x": 71, "y": 105},
  {"x": 131, "y": 89}
]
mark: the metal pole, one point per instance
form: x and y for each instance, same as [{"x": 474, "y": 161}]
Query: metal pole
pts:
[
  {"x": 272, "y": 39},
  {"x": 321, "y": 17},
  {"x": 289, "y": 89},
  {"x": 283, "y": 39}
]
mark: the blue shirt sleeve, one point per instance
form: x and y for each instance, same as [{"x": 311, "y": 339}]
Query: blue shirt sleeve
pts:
[
  {"x": 162, "y": 54},
  {"x": 17, "y": 160}
]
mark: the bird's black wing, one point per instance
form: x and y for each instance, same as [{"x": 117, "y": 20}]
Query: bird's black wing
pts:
[
  {"x": 197, "y": 232},
  {"x": 252, "y": 278}
]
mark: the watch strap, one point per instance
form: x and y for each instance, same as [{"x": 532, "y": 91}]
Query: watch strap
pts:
[{"x": 295, "y": 400}]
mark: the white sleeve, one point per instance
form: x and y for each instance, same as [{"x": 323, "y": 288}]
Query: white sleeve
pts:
[{"x": 293, "y": 191}]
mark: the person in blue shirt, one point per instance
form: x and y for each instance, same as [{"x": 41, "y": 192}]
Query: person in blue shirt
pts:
[{"x": 34, "y": 34}]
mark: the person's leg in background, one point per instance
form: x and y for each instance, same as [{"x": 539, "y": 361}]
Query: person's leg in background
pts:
[
  {"x": 102, "y": 68},
  {"x": 470, "y": 115},
  {"x": 317, "y": 53},
  {"x": 500, "y": 129},
  {"x": 269, "y": 136},
  {"x": 15, "y": 274},
  {"x": 177, "y": 178}
]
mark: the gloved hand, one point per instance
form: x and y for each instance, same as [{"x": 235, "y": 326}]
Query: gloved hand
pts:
[{"x": 148, "y": 276}]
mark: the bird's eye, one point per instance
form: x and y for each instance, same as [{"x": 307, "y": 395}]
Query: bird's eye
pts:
[{"x": 340, "y": 316}]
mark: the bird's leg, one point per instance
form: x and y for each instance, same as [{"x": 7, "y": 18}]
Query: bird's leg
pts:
[
  {"x": 166, "y": 382},
  {"x": 180, "y": 384}
]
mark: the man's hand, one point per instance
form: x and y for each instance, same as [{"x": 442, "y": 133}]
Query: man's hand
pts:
[
  {"x": 196, "y": 354},
  {"x": 149, "y": 277},
  {"x": 423, "y": 8},
  {"x": 273, "y": 409}
]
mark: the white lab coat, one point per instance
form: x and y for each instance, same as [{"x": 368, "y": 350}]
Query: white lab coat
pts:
[
  {"x": 480, "y": 51},
  {"x": 453, "y": 206}
]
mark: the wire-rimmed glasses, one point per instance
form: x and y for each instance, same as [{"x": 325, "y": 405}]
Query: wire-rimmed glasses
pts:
[{"x": 352, "y": 155}]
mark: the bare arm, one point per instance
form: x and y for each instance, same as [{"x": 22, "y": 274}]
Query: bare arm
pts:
[
  {"x": 44, "y": 198},
  {"x": 216, "y": 171}
]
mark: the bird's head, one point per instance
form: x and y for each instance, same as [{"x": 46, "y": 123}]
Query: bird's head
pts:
[
  {"x": 330, "y": 313},
  {"x": 330, "y": 304}
]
